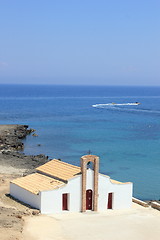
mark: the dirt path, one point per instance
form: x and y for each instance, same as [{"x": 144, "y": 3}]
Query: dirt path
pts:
[
  {"x": 138, "y": 223},
  {"x": 43, "y": 228}
]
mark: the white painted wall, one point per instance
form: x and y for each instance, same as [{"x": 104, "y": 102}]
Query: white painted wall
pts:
[
  {"x": 51, "y": 201},
  {"x": 122, "y": 194},
  {"x": 25, "y": 196}
]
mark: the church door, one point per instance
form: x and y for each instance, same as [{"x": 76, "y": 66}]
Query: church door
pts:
[
  {"x": 110, "y": 197},
  {"x": 89, "y": 199}
]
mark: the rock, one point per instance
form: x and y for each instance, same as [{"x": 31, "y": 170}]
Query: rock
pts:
[
  {"x": 31, "y": 130},
  {"x": 18, "y": 216},
  {"x": 35, "y": 135},
  {"x": 10, "y": 139},
  {"x": 20, "y": 160},
  {"x": 35, "y": 212},
  {"x": 10, "y": 145}
]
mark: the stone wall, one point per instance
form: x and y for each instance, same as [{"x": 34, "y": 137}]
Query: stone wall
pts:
[{"x": 142, "y": 203}]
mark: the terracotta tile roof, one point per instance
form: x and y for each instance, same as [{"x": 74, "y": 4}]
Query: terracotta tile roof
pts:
[
  {"x": 37, "y": 182},
  {"x": 59, "y": 169}
]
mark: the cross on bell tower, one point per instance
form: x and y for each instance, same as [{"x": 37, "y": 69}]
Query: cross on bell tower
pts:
[{"x": 89, "y": 152}]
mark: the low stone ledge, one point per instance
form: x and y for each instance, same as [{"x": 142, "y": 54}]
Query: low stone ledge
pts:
[
  {"x": 155, "y": 205},
  {"x": 140, "y": 202}
]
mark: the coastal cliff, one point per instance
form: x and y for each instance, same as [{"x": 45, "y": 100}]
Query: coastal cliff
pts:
[{"x": 11, "y": 137}]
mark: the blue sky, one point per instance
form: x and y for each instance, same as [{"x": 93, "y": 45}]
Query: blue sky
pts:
[{"x": 105, "y": 42}]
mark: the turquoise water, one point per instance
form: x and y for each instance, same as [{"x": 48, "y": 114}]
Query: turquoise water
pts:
[{"x": 126, "y": 137}]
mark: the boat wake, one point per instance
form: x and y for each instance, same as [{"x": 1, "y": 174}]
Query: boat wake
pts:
[
  {"x": 103, "y": 105},
  {"x": 119, "y": 107}
]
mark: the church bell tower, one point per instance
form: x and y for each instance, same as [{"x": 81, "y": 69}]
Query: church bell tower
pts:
[{"x": 84, "y": 160}]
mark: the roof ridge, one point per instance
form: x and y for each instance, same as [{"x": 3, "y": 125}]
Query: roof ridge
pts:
[
  {"x": 59, "y": 169},
  {"x": 66, "y": 163}
]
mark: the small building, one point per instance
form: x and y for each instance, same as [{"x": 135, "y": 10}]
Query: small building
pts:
[{"x": 58, "y": 186}]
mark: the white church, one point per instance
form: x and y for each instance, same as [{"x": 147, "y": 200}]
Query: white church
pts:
[{"x": 58, "y": 186}]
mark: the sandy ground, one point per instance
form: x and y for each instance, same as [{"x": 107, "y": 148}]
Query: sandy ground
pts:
[
  {"x": 12, "y": 213},
  {"x": 9, "y": 169},
  {"x": 11, "y": 225},
  {"x": 137, "y": 223}
]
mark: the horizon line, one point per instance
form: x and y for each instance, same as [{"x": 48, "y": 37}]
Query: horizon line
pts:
[{"x": 76, "y": 85}]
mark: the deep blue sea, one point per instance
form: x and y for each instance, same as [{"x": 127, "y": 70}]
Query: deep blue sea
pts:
[{"x": 125, "y": 137}]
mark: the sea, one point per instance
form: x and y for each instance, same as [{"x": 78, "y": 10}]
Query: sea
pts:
[{"x": 72, "y": 121}]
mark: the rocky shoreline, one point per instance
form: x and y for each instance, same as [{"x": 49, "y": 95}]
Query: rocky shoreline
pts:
[
  {"x": 11, "y": 135},
  {"x": 14, "y": 164},
  {"x": 11, "y": 143}
]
